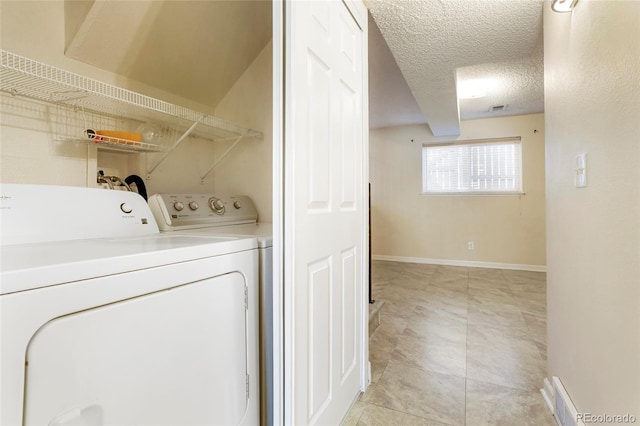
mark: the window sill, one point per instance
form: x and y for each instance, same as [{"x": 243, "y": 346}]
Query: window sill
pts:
[{"x": 475, "y": 194}]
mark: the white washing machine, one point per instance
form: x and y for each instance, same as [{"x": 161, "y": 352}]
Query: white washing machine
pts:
[
  {"x": 212, "y": 216},
  {"x": 105, "y": 321}
]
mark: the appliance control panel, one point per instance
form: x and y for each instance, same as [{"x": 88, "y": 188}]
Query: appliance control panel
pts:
[
  {"x": 187, "y": 211},
  {"x": 44, "y": 213}
]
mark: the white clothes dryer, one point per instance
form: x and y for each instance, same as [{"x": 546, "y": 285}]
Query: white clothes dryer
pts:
[
  {"x": 208, "y": 215},
  {"x": 105, "y": 321}
]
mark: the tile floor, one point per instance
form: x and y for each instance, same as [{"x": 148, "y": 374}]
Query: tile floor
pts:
[{"x": 456, "y": 346}]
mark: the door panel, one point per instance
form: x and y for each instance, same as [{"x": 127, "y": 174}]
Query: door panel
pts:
[
  {"x": 348, "y": 138},
  {"x": 348, "y": 332},
  {"x": 318, "y": 134},
  {"x": 324, "y": 159},
  {"x": 320, "y": 339}
]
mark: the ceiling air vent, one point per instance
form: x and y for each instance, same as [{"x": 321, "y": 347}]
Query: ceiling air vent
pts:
[{"x": 496, "y": 108}]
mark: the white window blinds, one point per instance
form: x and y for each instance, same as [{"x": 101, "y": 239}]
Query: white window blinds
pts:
[{"x": 476, "y": 166}]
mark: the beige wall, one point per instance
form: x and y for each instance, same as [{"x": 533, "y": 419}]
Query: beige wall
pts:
[
  {"x": 248, "y": 169},
  {"x": 36, "y": 29},
  {"x": 592, "y": 105},
  {"x": 506, "y": 230},
  {"x": 29, "y": 153}
]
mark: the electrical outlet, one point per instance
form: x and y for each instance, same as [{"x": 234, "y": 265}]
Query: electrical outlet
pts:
[{"x": 470, "y": 245}]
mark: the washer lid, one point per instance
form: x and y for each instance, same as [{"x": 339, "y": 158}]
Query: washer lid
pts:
[
  {"x": 262, "y": 231},
  {"x": 30, "y": 266}
]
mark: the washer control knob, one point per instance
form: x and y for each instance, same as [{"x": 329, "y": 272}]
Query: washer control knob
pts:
[
  {"x": 216, "y": 205},
  {"x": 193, "y": 205},
  {"x": 178, "y": 205},
  {"x": 125, "y": 208},
  {"x": 237, "y": 204}
]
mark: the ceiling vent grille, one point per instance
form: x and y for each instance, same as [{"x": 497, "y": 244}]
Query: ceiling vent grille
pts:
[{"x": 496, "y": 108}]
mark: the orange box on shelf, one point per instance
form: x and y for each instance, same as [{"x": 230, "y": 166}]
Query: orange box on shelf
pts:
[{"x": 114, "y": 136}]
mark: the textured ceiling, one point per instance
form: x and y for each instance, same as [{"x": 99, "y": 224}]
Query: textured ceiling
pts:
[
  {"x": 198, "y": 49},
  {"x": 439, "y": 42}
]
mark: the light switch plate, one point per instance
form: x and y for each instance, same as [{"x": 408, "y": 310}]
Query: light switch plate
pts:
[{"x": 580, "y": 178}]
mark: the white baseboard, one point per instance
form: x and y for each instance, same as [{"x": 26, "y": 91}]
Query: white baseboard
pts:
[
  {"x": 564, "y": 410},
  {"x": 548, "y": 395},
  {"x": 468, "y": 263}
]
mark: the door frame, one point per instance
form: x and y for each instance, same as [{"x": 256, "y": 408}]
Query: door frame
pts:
[
  {"x": 283, "y": 412},
  {"x": 279, "y": 372}
]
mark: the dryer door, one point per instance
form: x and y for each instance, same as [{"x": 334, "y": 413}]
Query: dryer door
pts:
[{"x": 175, "y": 357}]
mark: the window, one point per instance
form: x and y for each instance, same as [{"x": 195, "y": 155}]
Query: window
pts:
[{"x": 485, "y": 166}]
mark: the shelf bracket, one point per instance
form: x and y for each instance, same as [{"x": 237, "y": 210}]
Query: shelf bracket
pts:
[
  {"x": 178, "y": 142},
  {"x": 233, "y": 145}
]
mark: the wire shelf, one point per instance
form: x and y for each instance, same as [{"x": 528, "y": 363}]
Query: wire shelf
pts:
[
  {"x": 117, "y": 144},
  {"x": 26, "y": 77}
]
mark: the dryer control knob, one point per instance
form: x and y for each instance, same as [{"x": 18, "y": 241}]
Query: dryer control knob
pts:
[
  {"x": 193, "y": 205},
  {"x": 237, "y": 204},
  {"x": 125, "y": 208},
  {"x": 178, "y": 206}
]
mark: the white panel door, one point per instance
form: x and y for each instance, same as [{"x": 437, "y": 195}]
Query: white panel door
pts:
[{"x": 325, "y": 220}]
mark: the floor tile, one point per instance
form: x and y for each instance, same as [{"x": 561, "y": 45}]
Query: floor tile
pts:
[
  {"x": 542, "y": 348},
  {"x": 492, "y": 317},
  {"x": 354, "y": 414},
  {"x": 500, "y": 296},
  {"x": 456, "y": 346},
  {"x": 482, "y": 283},
  {"x": 368, "y": 392},
  {"x": 392, "y": 323},
  {"x": 419, "y": 271},
  {"x": 493, "y": 275},
  {"x": 509, "y": 362},
  {"x": 488, "y": 404},
  {"x": 435, "y": 396},
  {"x": 450, "y": 283},
  {"x": 397, "y": 293},
  {"x": 396, "y": 306},
  {"x": 453, "y": 270},
  {"x": 437, "y": 354},
  {"x": 537, "y": 326},
  {"x": 523, "y": 276},
  {"x": 531, "y": 287},
  {"x": 377, "y": 368},
  {"x": 532, "y": 304},
  {"x": 374, "y": 415},
  {"x": 487, "y": 334},
  {"x": 451, "y": 300},
  {"x": 377, "y": 286},
  {"x": 409, "y": 283},
  {"x": 382, "y": 343},
  {"x": 437, "y": 323}
]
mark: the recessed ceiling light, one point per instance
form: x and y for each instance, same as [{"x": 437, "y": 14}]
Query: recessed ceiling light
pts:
[
  {"x": 478, "y": 88},
  {"x": 563, "y": 5}
]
